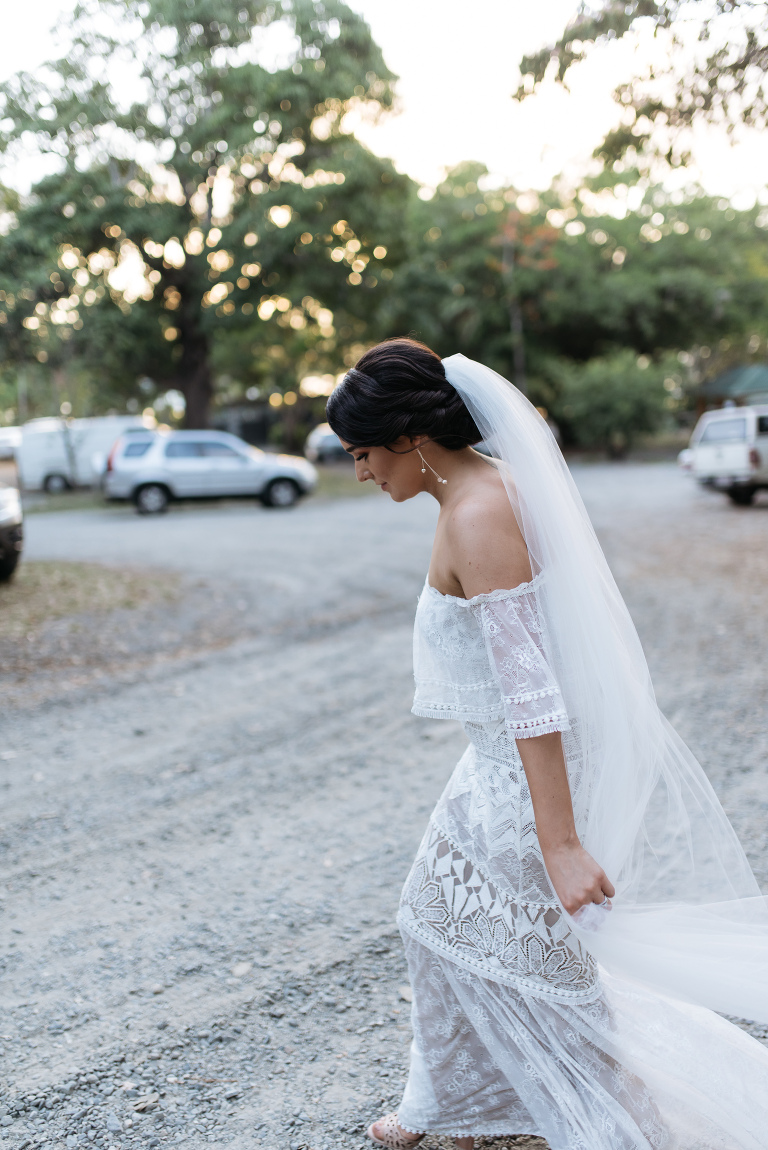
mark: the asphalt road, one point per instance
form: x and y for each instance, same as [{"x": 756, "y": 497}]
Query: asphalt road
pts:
[{"x": 204, "y": 851}]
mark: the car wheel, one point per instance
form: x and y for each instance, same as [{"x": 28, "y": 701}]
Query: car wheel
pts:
[
  {"x": 151, "y": 499},
  {"x": 281, "y": 493},
  {"x": 8, "y": 565},
  {"x": 742, "y": 496},
  {"x": 55, "y": 484}
]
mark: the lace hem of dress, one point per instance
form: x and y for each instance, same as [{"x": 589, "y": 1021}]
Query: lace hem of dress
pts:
[
  {"x": 532, "y": 696},
  {"x": 452, "y": 908},
  {"x": 489, "y": 1130},
  {"x": 519, "y": 729},
  {"x": 545, "y": 725},
  {"x": 532, "y": 988},
  {"x": 462, "y": 714}
]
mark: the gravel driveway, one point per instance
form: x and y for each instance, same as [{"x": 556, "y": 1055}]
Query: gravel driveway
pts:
[{"x": 205, "y": 836}]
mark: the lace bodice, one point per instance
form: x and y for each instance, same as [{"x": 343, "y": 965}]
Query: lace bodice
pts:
[{"x": 484, "y": 659}]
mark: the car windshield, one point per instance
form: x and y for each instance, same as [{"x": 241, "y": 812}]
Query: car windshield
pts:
[{"x": 725, "y": 431}]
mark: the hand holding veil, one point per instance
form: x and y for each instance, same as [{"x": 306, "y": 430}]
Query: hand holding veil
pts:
[{"x": 688, "y": 917}]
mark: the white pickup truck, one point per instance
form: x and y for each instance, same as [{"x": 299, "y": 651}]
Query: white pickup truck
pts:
[{"x": 729, "y": 451}]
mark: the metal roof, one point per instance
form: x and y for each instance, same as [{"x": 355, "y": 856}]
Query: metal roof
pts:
[{"x": 749, "y": 379}]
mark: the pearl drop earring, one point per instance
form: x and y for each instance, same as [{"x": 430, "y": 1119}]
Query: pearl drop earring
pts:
[{"x": 426, "y": 465}]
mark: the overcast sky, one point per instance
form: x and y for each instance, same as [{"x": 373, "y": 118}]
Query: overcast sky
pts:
[{"x": 457, "y": 62}]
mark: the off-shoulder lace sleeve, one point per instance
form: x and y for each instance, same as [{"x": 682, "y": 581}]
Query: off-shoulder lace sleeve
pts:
[{"x": 530, "y": 693}]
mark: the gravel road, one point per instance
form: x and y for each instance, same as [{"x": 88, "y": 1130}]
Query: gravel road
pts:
[{"x": 208, "y": 814}]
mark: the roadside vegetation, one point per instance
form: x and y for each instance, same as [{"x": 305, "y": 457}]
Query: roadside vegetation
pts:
[
  {"x": 44, "y": 591},
  {"x": 226, "y": 239}
]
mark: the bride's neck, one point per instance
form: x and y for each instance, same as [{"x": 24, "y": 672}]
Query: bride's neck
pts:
[{"x": 460, "y": 470}]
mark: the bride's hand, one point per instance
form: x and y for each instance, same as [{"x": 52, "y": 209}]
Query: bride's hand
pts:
[{"x": 576, "y": 877}]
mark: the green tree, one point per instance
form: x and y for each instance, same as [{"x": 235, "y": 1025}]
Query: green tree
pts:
[
  {"x": 666, "y": 276},
  {"x": 590, "y": 276},
  {"x": 474, "y": 262},
  {"x": 224, "y": 201},
  {"x": 609, "y": 402},
  {"x": 723, "y": 80}
]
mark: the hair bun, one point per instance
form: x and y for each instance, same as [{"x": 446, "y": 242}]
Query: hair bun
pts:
[{"x": 400, "y": 388}]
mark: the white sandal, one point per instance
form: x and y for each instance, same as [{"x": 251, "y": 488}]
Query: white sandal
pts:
[{"x": 393, "y": 1137}]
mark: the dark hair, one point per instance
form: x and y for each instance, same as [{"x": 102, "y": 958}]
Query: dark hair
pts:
[{"x": 399, "y": 388}]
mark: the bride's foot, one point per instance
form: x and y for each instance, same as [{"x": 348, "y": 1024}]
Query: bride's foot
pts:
[{"x": 387, "y": 1132}]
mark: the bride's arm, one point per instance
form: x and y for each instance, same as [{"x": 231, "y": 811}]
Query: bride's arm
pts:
[
  {"x": 573, "y": 872},
  {"x": 488, "y": 552}
]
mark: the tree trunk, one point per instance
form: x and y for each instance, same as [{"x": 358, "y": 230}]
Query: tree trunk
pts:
[
  {"x": 194, "y": 381},
  {"x": 21, "y": 395},
  {"x": 515, "y": 318},
  {"x": 518, "y": 345}
]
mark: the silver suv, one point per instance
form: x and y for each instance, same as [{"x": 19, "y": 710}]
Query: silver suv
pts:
[{"x": 151, "y": 468}]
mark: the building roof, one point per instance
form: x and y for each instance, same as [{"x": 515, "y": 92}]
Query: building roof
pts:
[{"x": 738, "y": 382}]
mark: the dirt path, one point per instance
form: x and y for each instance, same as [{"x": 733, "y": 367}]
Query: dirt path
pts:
[{"x": 204, "y": 841}]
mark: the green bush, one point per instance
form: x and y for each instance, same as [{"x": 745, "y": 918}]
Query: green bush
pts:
[{"x": 608, "y": 402}]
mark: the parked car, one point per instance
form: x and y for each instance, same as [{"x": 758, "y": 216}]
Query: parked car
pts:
[
  {"x": 729, "y": 451},
  {"x": 323, "y": 444},
  {"x": 57, "y": 454},
  {"x": 11, "y": 531},
  {"x": 685, "y": 460},
  {"x": 10, "y": 438},
  {"x": 156, "y": 467}
]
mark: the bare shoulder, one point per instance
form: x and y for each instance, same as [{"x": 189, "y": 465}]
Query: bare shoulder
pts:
[{"x": 485, "y": 543}]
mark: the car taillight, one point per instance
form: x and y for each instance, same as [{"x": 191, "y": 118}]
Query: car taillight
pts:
[
  {"x": 754, "y": 457},
  {"x": 111, "y": 456}
]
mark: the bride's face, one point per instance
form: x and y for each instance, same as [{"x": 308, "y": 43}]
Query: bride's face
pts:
[{"x": 395, "y": 469}]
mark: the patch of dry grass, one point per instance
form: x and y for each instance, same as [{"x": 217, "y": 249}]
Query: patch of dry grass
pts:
[
  {"x": 86, "y": 499},
  {"x": 43, "y": 591},
  {"x": 338, "y": 481}
]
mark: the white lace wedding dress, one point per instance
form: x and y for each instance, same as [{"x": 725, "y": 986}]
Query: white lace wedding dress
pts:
[{"x": 516, "y": 1029}]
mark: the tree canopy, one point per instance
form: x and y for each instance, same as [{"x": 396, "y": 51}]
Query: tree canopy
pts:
[
  {"x": 716, "y": 69},
  {"x": 197, "y": 208},
  {"x": 591, "y": 272},
  {"x": 210, "y": 225}
]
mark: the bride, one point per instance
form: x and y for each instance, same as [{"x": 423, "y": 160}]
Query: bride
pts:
[{"x": 579, "y": 909}]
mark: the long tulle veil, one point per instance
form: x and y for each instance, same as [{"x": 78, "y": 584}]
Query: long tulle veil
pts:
[{"x": 688, "y": 918}]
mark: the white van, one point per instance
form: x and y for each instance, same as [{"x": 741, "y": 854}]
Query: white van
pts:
[
  {"x": 729, "y": 451},
  {"x": 56, "y": 454}
]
